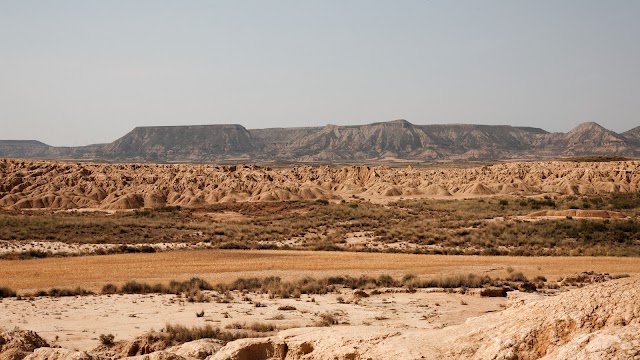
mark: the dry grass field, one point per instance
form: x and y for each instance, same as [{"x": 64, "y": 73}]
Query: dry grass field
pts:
[{"x": 92, "y": 272}]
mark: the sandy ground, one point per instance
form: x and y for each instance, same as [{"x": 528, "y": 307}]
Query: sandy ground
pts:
[
  {"x": 92, "y": 272},
  {"x": 77, "y": 322}
]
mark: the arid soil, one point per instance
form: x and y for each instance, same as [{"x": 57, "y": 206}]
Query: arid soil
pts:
[
  {"x": 77, "y": 322},
  {"x": 26, "y": 184},
  {"x": 598, "y": 321}
]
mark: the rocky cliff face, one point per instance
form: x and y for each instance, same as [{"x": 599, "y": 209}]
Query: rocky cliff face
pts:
[
  {"x": 633, "y": 135},
  {"x": 394, "y": 140}
]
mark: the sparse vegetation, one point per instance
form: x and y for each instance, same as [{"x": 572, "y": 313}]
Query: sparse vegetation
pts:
[
  {"x": 454, "y": 281},
  {"x": 191, "y": 287},
  {"x": 61, "y": 292},
  {"x": 255, "y": 326},
  {"x": 418, "y": 226},
  {"x": 276, "y": 287},
  {"x": 107, "y": 339},
  {"x": 178, "y": 334}
]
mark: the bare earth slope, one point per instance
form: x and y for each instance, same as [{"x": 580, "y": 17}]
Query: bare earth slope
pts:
[
  {"x": 40, "y": 184},
  {"x": 397, "y": 140}
]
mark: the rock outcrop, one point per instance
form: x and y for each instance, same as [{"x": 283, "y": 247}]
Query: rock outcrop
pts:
[{"x": 16, "y": 344}]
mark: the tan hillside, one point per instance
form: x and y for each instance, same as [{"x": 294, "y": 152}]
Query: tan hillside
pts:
[{"x": 28, "y": 184}]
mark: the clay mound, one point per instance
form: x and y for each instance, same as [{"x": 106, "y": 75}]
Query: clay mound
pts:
[
  {"x": 47, "y": 353},
  {"x": 477, "y": 189},
  {"x": 595, "y": 322},
  {"x": 54, "y": 185},
  {"x": 436, "y": 190},
  {"x": 590, "y": 214},
  {"x": 16, "y": 344}
]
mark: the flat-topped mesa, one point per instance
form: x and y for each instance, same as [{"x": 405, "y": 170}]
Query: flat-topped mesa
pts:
[
  {"x": 181, "y": 142},
  {"x": 382, "y": 141}
]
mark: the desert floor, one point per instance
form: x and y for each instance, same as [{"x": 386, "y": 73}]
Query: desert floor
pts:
[{"x": 77, "y": 322}]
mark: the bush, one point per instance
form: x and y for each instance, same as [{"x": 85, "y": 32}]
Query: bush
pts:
[
  {"x": 178, "y": 334},
  {"x": 455, "y": 281},
  {"x": 107, "y": 339},
  {"x": 109, "y": 289},
  {"x": 327, "y": 319},
  {"x": 517, "y": 276},
  {"x": 5, "y": 292}
]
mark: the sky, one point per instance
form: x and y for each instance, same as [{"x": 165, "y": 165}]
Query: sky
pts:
[{"x": 80, "y": 72}]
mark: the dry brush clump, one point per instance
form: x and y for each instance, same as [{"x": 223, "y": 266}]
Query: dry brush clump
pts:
[
  {"x": 107, "y": 339},
  {"x": 6, "y": 292},
  {"x": 191, "y": 289},
  {"x": 454, "y": 281},
  {"x": 177, "y": 334},
  {"x": 61, "y": 292},
  {"x": 258, "y": 327}
]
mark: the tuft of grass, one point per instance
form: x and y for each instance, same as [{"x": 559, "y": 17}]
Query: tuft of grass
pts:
[
  {"x": 327, "y": 319},
  {"x": 255, "y": 326},
  {"x": 5, "y": 292},
  {"x": 177, "y": 334},
  {"x": 517, "y": 276}
]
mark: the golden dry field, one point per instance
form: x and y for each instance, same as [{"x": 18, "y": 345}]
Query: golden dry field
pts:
[{"x": 92, "y": 272}]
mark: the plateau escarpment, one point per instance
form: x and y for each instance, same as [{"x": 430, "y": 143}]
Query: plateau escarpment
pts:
[{"x": 397, "y": 140}]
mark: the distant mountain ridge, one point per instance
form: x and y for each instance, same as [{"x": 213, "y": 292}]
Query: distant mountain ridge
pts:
[{"x": 393, "y": 140}]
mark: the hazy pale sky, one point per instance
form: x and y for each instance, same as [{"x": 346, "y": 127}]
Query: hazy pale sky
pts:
[{"x": 80, "y": 72}]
